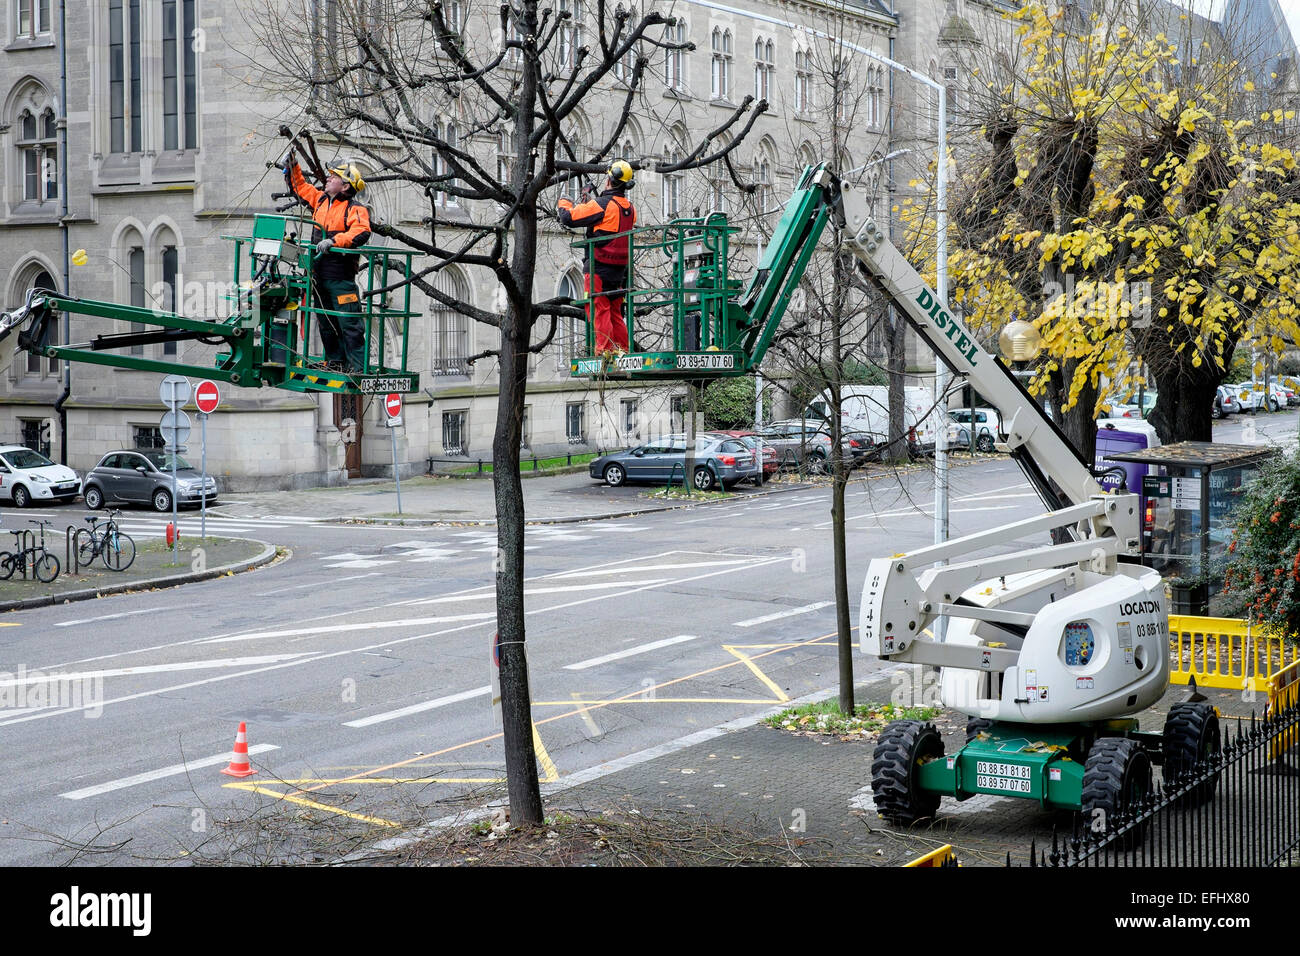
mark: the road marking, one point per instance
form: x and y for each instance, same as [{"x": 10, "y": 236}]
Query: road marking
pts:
[
  {"x": 652, "y": 567},
  {"x": 532, "y": 592},
  {"x": 807, "y": 608},
  {"x": 550, "y": 773},
  {"x": 151, "y": 775},
  {"x": 267, "y": 791},
  {"x": 745, "y": 659},
  {"x": 317, "y": 584},
  {"x": 630, "y": 652},
  {"x": 587, "y": 719},
  {"x": 368, "y": 626},
  {"x": 45, "y": 678},
  {"x": 419, "y": 708},
  {"x": 109, "y": 617}
]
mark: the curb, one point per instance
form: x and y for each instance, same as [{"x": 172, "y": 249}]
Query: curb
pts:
[
  {"x": 566, "y": 519},
  {"x": 171, "y": 581}
]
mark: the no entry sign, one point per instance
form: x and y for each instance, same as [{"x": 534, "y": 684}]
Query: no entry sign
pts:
[
  {"x": 207, "y": 397},
  {"x": 393, "y": 405}
]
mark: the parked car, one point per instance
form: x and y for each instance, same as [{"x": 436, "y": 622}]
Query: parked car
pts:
[
  {"x": 1226, "y": 402},
  {"x": 719, "y": 460},
  {"x": 1254, "y": 397},
  {"x": 988, "y": 427},
  {"x": 27, "y": 476},
  {"x": 144, "y": 476},
  {"x": 750, "y": 438}
]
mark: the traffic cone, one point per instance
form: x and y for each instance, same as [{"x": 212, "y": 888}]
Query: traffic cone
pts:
[{"x": 239, "y": 766}]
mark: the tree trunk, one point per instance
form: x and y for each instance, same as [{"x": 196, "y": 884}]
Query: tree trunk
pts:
[
  {"x": 897, "y": 437},
  {"x": 516, "y": 707},
  {"x": 1182, "y": 409}
]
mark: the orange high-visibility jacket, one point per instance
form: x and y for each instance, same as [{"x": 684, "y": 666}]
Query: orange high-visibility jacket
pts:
[
  {"x": 610, "y": 212},
  {"x": 344, "y": 221}
]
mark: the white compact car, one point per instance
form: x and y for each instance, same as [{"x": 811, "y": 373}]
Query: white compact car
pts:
[{"x": 27, "y": 477}]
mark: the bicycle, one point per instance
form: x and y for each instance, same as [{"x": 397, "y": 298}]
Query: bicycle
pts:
[
  {"x": 43, "y": 563},
  {"x": 114, "y": 547}
]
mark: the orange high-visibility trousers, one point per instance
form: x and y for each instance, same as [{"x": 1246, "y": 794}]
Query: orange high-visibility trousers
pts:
[{"x": 606, "y": 315}]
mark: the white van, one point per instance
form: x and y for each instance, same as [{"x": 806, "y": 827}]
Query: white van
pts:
[
  {"x": 866, "y": 408},
  {"x": 27, "y": 476}
]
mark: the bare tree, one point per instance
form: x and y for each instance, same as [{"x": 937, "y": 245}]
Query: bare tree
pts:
[{"x": 383, "y": 78}]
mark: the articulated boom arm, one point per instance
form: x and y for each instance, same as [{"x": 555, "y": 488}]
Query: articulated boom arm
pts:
[{"x": 904, "y": 594}]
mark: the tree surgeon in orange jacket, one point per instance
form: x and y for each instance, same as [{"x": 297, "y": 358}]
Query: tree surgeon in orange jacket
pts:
[
  {"x": 610, "y": 212},
  {"x": 346, "y": 225}
]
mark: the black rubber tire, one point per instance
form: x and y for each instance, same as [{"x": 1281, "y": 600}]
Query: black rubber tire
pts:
[
  {"x": 118, "y": 552},
  {"x": 614, "y": 475},
  {"x": 7, "y": 564},
  {"x": 46, "y": 568},
  {"x": 1191, "y": 736},
  {"x": 816, "y": 463},
  {"x": 984, "y": 443},
  {"x": 83, "y": 542},
  {"x": 976, "y": 726},
  {"x": 22, "y": 497},
  {"x": 903, "y": 746},
  {"x": 1217, "y": 412},
  {"x": 704, "y": 479},
  {"x": 1116, "y": 780},
  {"x": 1273, "y": 404},
  {"x": 161, "y": 500},
  {"x": 94, "y": 498}
]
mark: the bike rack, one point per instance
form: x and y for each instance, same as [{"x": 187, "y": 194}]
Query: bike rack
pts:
[
  {"x": 24, "y": 539},
  {"x": 672, "y": 474},
  {"x": 70, "y": 553}
]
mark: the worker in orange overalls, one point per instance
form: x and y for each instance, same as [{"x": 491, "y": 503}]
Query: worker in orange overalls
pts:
[
  {"x": 607, "y": 214},
  {"x": 346, "y": 225}
]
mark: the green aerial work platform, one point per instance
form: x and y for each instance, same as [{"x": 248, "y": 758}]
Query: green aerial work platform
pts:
[
  {"x": 266, "y": 338},
  {"x": 702, "y": 323}
]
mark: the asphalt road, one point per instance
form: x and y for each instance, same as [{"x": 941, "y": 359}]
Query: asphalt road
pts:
[{"x": 364, "y": 657}]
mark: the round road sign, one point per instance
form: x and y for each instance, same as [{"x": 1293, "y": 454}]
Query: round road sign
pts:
[
  {"x": 393, "y": 405},
  {"x": 174, "y": 391},
  {"x": 207, "y": 396},
  {"x": 175, "y": 428}
]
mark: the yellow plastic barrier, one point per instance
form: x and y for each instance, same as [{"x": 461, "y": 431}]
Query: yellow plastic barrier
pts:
[
  {"x": 1226, "y": 652},
  {"x": 944, "y": 856},
  {"x": 1283, "y": 694}
]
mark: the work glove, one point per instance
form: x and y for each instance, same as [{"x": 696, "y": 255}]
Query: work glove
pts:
[
  {"x": 324, "y": 246},
  {"x": 288, "y": 160}
]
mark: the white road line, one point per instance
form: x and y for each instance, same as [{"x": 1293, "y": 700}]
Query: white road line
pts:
[
  {"x": 651, "y": 567},
  {"x": 109, "y": 617},
  {"x": 530, "y": 592},
  {"x": 806, "y": 609},
  {"x": 630, "y": 652},
  {"x": 418, "y": 708},
  {"x": 173, "y": 770},
  {"x": 367, "y": 626},
  {"x": 44, "y": 678},
  {"x": 317, "y": 584}
]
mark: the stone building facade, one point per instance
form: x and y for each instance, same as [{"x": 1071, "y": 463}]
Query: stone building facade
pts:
[{"x": 168, "y": 134}]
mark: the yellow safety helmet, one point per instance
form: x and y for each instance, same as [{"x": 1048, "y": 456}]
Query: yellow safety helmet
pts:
[
  {"x": 350, "y": 175},
  {"x": 621, "y": 172}
]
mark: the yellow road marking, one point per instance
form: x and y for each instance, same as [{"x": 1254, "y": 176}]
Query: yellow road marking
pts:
[
  {"x": 549, "y": 772},
  {"x": 262, "y": 789},
  {"x": 780, "y": 694},
  {"x": 335, "y": 780},
  {"x": 587, "y": 719},
  {"x": 631, "y": 695},
  {"x": 10, "y": 624},
  {"x": 654, "y": 700}
]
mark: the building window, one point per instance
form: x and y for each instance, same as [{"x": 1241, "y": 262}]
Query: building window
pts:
[
  {"x": 764, "y": 69},
  {"x": 677, "y": 413},
  {"x": 38, "y": 278},
  {"x": 572, "y": 331},
  {"x": 720, "y": 78},
  {"x": 35, "y": 435},
  {"x": 575, "y": 423},
  {"x": 765, "y": 187},
  {"x": 570, "y": 33},
  {"x": 455, "y": 432},
  {"x": 147, "y": 436},
  {"x": 672, "y": 187},
  {"x": 37, "y": 142},
  {"x": 674, "y": 62},
  {"x": 170, "y": 261},
  {"x": 505, "y": 148},
  {"x": 135, "y": 269},
  {"x": 631, "y": 427},
  {"x": 717, "y": 190},
  {"x": 179, "y": 82},
  {"x": 526, "y": 428},
  {"x": 450, "y": 327},
  {"x": 953, "y": 89},
  {"x": 33, "y": 19},
  {"x": 803, "y": 81},
  {"x": 453, "y": 16},
  {"x": 448, "y": 133},
  {"x": 124, "y": 79}
]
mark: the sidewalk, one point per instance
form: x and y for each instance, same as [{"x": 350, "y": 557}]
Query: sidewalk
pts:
[{"x": 816, "y": 790}]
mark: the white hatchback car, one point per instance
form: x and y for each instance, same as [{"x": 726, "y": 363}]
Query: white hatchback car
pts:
[{"x": 27, "y": 476}]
